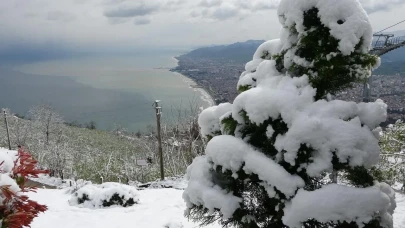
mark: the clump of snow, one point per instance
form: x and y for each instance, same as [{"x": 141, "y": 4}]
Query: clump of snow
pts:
[
  {"x": 7, "y": 158},
  {"x": 209, "y": 119},
  {"x": 346, "y": 19},
  {"x": 339, "y": 127},
  {"x": 269, "y": 131},
  {"x": 268, "y": 48},
  {"x": 372, "y": 114},
  {"x": 231, "y": 153},
  {"x": 339, "y": 203},
  {"x": 256, "y": 71},
  {"x": 202, "y": 191},
  {"x": 99, "y": 196}
]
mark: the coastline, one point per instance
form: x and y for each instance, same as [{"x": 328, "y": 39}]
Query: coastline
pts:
[{"x": 205, "y": 95}]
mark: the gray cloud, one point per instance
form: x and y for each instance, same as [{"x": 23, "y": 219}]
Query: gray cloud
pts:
[
  {"x": 225, "y": 12},
  {"x": 222, "y": 10},
  {"x": 125, "y": 10},
  {"x": 372, "y": 6},
  {"x": 118, "y": 20},
  {"x": 265, "y": 5},
  {"x": 209, "y": 3},
  {"x": 60, "y": 16},
  {"x": 142, "y": 21}
]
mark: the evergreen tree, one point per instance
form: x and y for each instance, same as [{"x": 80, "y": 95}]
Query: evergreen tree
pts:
[{"x": 272, "y": 151}]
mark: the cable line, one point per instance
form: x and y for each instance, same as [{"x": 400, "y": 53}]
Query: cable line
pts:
[{"x": 389, "y": 27}]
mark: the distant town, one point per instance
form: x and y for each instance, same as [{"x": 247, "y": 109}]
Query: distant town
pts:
[{"x": 219, "y": 77}]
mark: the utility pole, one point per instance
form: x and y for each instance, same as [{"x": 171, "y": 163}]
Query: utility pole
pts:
[
  {"x": 8, "y": 135},
  {"x": 158, "y": 115}
]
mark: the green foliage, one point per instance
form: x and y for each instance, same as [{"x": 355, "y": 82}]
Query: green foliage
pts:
[
  {"x": 229, "y": 125},
  {"x": 328, "y": 69},
  {"x": 244, "y": 88},
  {"x": 359, "y": 177}
]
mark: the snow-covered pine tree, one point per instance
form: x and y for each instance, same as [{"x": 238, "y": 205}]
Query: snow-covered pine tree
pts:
[{"x": 270, "y": 152}]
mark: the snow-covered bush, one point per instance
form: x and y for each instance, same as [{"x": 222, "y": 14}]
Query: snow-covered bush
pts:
[
  {"x": 16, "y": 209},
  {"x": 271, "y": 149},
  {"x": 105, "y": 195},
  {"x": 392, "y": 162}
]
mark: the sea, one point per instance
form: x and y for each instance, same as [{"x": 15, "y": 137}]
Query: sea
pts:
[{"x": 116, "y": 91}]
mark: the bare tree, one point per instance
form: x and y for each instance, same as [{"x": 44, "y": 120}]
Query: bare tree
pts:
[{"x": 49, "y": 121}]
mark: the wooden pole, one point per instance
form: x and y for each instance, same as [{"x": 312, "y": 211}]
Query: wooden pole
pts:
[
  {"x": 8, "y": 135},
  {"x": 158, "y": 115}
]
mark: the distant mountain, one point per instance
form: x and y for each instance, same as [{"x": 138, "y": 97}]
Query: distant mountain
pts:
[{"x": 240, "y": 52}]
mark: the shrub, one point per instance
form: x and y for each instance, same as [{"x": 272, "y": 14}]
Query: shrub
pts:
[
  {"x": 16, "y": 209},
  {"x": 105, "y": 195}
]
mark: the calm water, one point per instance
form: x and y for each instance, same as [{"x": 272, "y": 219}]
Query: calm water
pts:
[{"x": 133, "y": 82}]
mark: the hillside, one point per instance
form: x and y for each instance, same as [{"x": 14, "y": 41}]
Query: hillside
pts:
[
  {"x": 240, "y": 52},
  {"x": 87, "y": 153},
  {"x": 77, "y": 152}
]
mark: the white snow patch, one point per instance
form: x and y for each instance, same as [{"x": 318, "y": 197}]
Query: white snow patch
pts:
[
  {"x": 339, "y": 203},
  {"x": 167, "y": 203},
  {"x": 202, "y": 191},
  {"x": 209, "y": 119},
  {"x": 355, "y": 26},
  {"x": 158, "y": 208},
  {"x": 231, "y": 152}
]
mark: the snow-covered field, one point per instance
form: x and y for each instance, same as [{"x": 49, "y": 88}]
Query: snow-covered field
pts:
[{"x": 158, "y": 208}]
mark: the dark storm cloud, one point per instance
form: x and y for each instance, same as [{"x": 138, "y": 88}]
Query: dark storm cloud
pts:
[{"x": 142, "y": 21}]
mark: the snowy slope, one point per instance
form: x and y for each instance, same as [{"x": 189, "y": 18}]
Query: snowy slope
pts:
[{"x": 158, "y": 208}]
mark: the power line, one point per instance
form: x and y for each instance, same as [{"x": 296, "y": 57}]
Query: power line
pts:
[{"x": 390, "y": 27}]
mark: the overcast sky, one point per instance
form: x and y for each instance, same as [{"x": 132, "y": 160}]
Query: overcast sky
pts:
[{"x": 100, "y": 25}]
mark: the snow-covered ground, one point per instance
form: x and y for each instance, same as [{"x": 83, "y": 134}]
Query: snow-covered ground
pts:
[
  {"x": 158, "y": 208},
  {"x": 399, "y": 214}
]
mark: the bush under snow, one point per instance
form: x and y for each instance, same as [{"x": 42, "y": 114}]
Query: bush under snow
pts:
[{"x": 105, "y": 195}]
